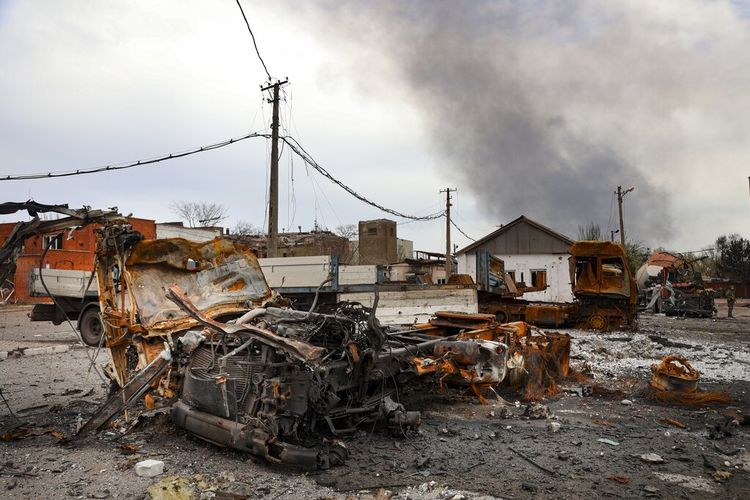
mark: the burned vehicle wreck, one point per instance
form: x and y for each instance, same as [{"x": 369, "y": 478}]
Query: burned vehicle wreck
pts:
[
  {"x": 193, "y": 329},
  {"x": 603, "y": 286},
  {"x": 196, "y": 327}
]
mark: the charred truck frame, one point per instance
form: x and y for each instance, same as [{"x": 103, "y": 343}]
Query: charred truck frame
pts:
[
  {"x": 195, "y": 328},
  {"x": 605, "y": 292}
]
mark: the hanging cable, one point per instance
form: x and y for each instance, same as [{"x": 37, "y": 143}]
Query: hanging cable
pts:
[
  {"x": 461, "y": 230},
  {"x": 253, "y": 37},
  {"x": 139, "y": 163},
  {"x": 290, "y": 141},
  {"x": 297, "y": 148}
]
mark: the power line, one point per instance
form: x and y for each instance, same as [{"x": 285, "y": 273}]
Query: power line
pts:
[
  {"x": 461, "y": 230},
  {"x": 290, "y": 141},
  {"x": 253, "y": 37},
  {"x": 297, "y": 148},
  {"x": 139, "y": 163}
]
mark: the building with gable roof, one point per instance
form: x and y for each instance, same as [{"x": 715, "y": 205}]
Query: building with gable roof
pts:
[{"x": 534, "y": 256}]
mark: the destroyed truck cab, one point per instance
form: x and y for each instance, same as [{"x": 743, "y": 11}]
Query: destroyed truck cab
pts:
[
  {"x": 603, "y": 286},
  {"x": 194, "y": 328}
]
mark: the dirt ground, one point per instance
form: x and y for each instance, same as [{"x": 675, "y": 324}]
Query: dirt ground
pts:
[{"x": 463, "y": 449}]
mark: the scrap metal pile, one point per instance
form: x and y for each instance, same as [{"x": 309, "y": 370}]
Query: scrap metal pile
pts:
[{"x": 195, "y": 328}]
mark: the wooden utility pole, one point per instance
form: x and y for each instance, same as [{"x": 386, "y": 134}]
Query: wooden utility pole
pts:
[
  {"x": 273, "y": 198},
  {"x": 620, "y": 195},
  {"x": 448, "y": 255}
]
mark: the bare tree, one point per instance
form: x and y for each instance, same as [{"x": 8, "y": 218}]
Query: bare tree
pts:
[
  {"x": 244, "y": 228},
  {"x": 347, "y": 231},
  {"x": 590, "y": 232},
  {"x": 199, "y": 214}
]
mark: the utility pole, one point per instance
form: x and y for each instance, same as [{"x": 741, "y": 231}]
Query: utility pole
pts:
[
  {"x": 448, "y": 257},
  {"x": 620, "y": 195},
  {"x": 273, "y": 198}
]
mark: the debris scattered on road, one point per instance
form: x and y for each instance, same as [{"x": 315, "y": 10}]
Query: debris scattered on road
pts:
[
  {"x": 536, "y": 411},
  {"x": 675, "y": 381},
  {"x": 149, "y": 468},
  {"x": 652, "y": 458},
  {"x": 23, "y": 432},
  {"x": 674, "y": 422},
  {"x": 608, "y": 441},
  {"x": 620, "y": 479}
]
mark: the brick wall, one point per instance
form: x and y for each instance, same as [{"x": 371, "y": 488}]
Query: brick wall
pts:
[{"x": 74, "y": 253}]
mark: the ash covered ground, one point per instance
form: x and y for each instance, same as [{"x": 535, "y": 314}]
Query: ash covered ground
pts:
[{"x": 572, "y": 446}]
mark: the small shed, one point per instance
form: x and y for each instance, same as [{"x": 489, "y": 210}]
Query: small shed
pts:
[{"x": 534, "y": 255}]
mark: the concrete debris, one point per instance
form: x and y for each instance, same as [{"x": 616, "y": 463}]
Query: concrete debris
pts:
[
  {"x": 652, "y": 458},
  {"x": 691, "y": 482},
  {"x": 149, "y": 468}
]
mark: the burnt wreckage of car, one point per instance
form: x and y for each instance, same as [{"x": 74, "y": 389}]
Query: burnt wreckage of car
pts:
[{"x": 194, "y": 327}]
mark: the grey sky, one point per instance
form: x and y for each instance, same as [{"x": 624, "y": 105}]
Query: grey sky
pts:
[{"x": 539, "y": 108}]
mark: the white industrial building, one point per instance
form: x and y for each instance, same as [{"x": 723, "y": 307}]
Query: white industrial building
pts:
[{"x": 533, "y": 255}]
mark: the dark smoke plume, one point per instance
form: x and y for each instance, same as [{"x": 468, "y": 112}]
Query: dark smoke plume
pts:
[{"x": 525, "y": 100}]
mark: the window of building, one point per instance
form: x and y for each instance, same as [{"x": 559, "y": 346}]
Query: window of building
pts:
[
  {"x": 52, "y": 242},
  {"x": 539, "y": 278},
  {"x": 441, "y": 281},
  {"x": 372, "y": 231},
  {"x": 512, "y": 275}
]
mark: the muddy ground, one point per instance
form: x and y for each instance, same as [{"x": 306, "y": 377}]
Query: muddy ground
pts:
[{"x": 463, "y": 450}]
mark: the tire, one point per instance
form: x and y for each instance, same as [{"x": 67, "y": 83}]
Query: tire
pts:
[
  {"x": 501, "y": 317},
  {"x": 598, "y": 322},
  {"x": 90, "y": 326}
]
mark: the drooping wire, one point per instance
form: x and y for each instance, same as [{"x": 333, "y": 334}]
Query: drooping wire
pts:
[
  {"x": 300, "y": 151},
  {"x": 139, "y": 163},
  {"x": 290, "y": 141},
  {"x": 461, "y": 230},
  {"x": 253, "y": 37}
]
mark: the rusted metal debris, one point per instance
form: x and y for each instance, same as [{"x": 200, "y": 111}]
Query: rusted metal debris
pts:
[
  {"x": 23, "y": 432},
  {"x": 673, "y": 421},
  {"x": 675, "y": 381},
  {"x": 674, "y": 373}
]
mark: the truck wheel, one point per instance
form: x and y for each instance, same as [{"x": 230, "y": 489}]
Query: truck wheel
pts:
[
  {"x": 501, "y": 317},
  {"x": 598, "y": 322},
  {"x": 90, "y": 326}
]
